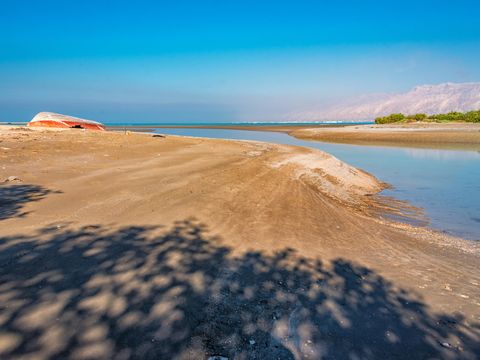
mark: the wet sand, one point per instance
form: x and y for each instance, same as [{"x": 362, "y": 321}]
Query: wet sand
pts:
[
  {"x": 454, "y": 136},
  {"x": 118, "y": 245},
  {"x": 460, "y": 136}
]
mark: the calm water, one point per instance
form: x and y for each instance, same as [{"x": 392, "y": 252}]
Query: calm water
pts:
[{"x": 444, "y": 183}]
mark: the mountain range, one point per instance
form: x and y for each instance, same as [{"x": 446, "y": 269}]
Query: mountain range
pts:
[{"x": 429, "y": 99}]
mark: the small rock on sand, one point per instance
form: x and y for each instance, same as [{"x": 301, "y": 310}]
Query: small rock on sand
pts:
[{"x": 12, "y": 178}]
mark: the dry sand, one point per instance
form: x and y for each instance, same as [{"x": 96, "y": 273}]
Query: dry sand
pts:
[{"x": 134, "y": 246}]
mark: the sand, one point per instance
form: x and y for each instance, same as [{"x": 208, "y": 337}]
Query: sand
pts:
[
  {"x": 453, "y": 136},
  {"x": 117, "y": 245},
  {"x": 462, "y": 136}
]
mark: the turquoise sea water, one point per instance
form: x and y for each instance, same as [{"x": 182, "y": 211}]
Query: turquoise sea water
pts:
[{"x": 444, "y": 183}]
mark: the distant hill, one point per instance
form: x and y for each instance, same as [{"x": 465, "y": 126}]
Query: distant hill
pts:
[{"x": 430, "y": 99}]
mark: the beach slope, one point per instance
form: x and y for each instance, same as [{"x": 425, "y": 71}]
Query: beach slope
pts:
[{"x": 124, "y": 245}]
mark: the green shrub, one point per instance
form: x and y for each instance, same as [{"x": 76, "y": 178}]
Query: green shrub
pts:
[
  {"x": 396, "y": 117},
  {"x": 451, "y": 116},
  {"x": 417, "y": 117},
  {"x": 390, "y": 119},
  {"x": 470, "y": 116}
]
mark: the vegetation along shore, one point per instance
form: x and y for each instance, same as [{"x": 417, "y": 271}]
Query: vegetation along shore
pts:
[{"x": 469, "y": 116}]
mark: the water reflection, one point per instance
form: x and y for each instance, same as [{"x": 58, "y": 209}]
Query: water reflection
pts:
[{"x": 442, "y": 154}]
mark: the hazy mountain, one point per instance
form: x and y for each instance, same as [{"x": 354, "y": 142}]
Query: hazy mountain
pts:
[{"x": 430, "y": 99}]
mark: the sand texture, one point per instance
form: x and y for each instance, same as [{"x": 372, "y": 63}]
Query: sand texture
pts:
[
  {"x": 424, "y": 135},
  {"x": 130, "y": 246}
]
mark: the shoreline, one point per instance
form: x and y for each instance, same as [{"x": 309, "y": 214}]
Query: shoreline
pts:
[
  {"x": 393, "y": 211},
  {"x": 112, "y": 206},
  {"x": 448, "y": 136},
  {"x": 453, "y": 136}
]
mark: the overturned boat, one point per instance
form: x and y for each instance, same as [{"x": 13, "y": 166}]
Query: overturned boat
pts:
[{"x": 48, "y": 119}]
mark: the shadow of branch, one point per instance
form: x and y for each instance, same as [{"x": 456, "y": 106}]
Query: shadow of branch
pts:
[
  {"x": 149, "y": 293},
  {"x": 14, "y": 197}
]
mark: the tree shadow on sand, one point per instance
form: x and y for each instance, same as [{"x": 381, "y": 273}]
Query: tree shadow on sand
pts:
[
  {"x": 14, "y": 197},
  {"x": 153, "y": 293}
]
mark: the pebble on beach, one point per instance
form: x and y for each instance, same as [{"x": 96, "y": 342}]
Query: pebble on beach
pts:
[{"x": 12, "y": 178}]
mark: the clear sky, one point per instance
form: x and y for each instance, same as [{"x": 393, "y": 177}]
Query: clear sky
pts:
[{"x": 189, "y": 61}]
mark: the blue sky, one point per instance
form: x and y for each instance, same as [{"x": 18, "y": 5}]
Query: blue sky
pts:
[{"x": 187, "y": 61}]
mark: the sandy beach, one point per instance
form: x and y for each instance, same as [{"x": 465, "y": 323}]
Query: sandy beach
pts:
[
  {"x": 127, "y": 245},
  {"x": 462, "y": 136}
]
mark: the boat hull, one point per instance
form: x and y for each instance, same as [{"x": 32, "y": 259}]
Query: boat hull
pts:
[
  {"x": 66, "y": 124},
  {"x": 52, "y": 120}
]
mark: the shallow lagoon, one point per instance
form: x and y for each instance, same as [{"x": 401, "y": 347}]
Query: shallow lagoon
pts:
[{"x": 444, "y": 183}]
